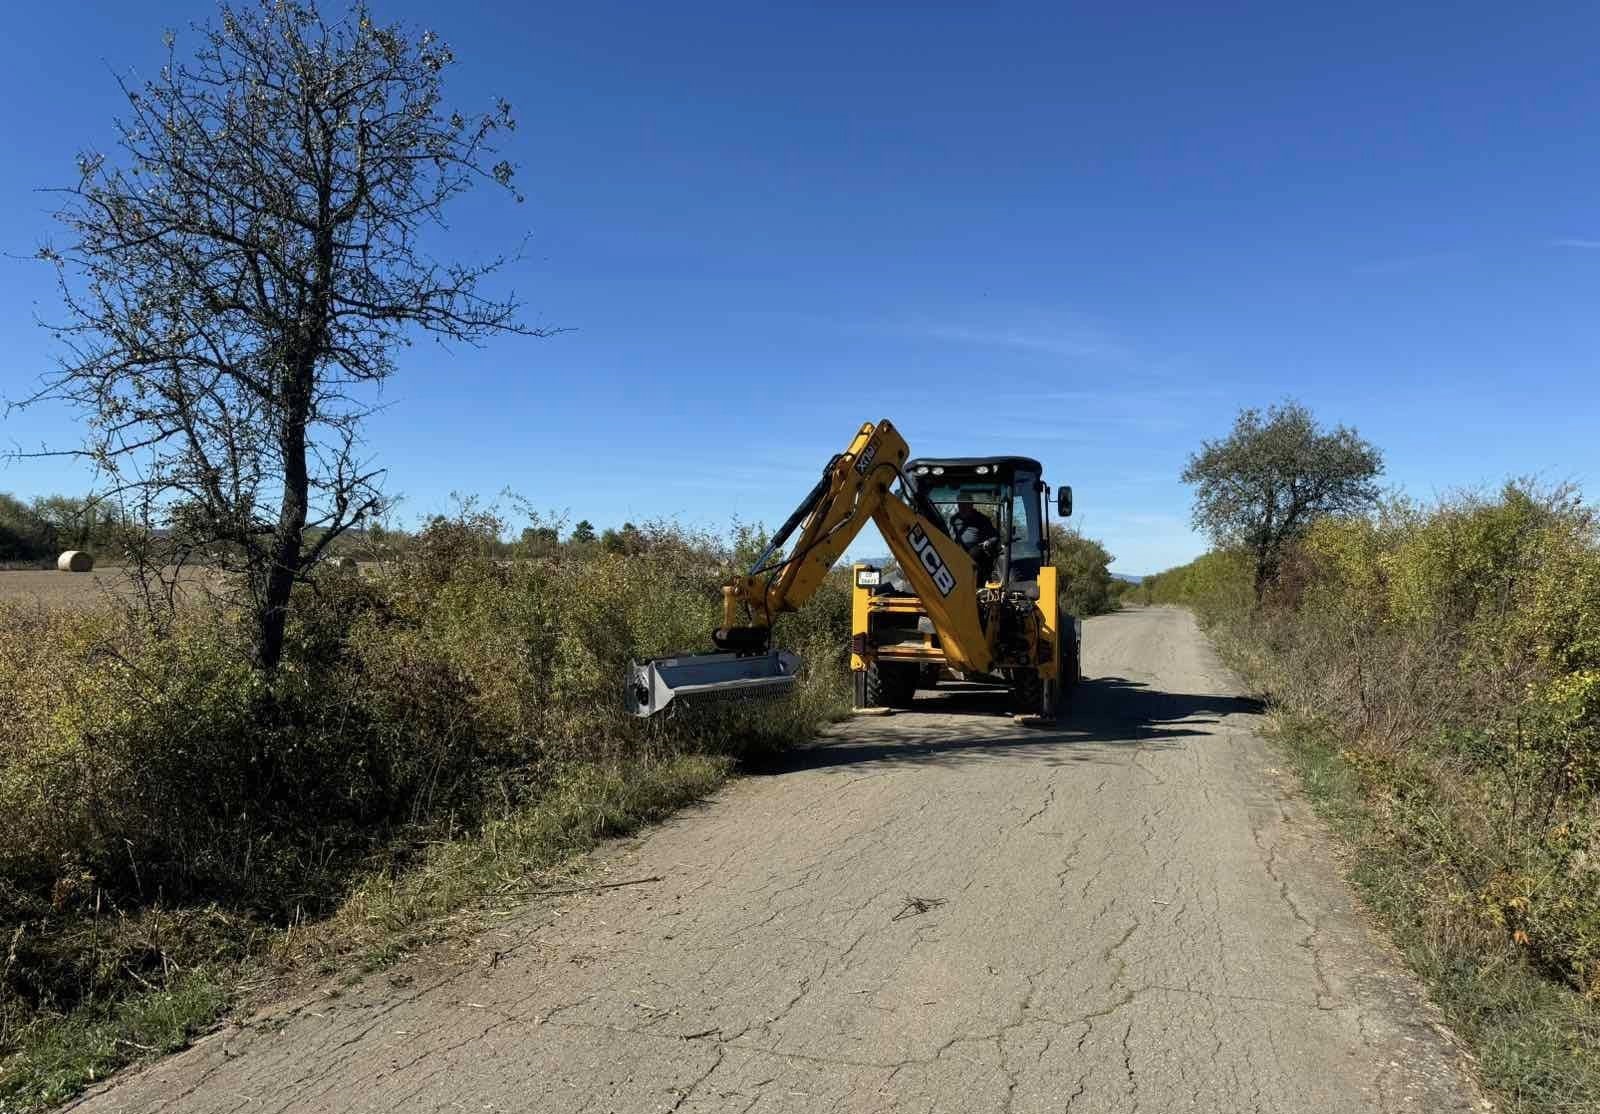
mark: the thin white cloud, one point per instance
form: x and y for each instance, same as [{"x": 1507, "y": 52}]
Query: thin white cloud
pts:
[
  {"x": 1170, "y": 522},
  {"x": 1139, "y": 390},
  {"x": 1092, "y": 428},
  {"x": 1573, "y": 242},
  {"x": 1024, "y": 329},
  {"x": 1401, "y": 263},
  {"x": 1085, "y": 344}
]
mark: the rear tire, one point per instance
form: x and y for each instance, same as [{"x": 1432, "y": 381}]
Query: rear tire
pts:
[
  {"x": 1072, "y": 656},
  {"x": 1067, "y": 678},
  {"x": 890, "y": 685},
  {"x": 1027, "y": 692}
]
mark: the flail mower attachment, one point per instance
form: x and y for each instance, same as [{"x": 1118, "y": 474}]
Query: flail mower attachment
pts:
[{"x": 697, "y": 680}]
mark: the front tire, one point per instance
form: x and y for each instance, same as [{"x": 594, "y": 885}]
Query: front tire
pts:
[
  {"x": 1052, "y": 701},
  {"x": 890, "y": 685},
  {"x": 1033, "y": 695}
]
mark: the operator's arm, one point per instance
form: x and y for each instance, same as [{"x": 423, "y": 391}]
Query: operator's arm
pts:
[{"x": 854, "y": 489}]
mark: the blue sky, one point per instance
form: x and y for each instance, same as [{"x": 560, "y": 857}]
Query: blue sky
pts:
[{"x": 1088, "y": 233}]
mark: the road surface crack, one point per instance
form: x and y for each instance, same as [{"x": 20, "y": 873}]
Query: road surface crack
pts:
[
  {"x": 1325, "y": 990},
  {"x": 1049, "y": 799},
  {"x": 683, "y": 1095},
  {"x": 1127, "y": 1064}
]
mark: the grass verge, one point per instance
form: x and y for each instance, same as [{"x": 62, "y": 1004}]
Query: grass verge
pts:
[
  {"x": 1537, "y": 1043},
  {"x": 392, "y": 912}
]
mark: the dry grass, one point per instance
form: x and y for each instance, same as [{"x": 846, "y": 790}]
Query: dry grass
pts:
[
  {"x": 440, "y": 727},
  {"x": 108, "y": 584},
  {"x": 1436, "y": 674},
  {"x": 394, "y": 910},
  {"x": 63, "y": 589}
]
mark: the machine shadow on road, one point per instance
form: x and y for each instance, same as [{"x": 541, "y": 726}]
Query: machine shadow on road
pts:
[{"x": 962, "y": 723}]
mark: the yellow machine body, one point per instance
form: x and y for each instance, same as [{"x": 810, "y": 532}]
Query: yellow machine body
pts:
[
  {"x": 927, "y": 649},
  {"x": 945, "y": 619}
]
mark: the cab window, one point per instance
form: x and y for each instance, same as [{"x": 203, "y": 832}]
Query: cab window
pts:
[{"x": 1027, "y": 527}]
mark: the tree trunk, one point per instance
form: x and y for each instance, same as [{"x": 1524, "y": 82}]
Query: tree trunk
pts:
[
  {"x": 299, "y": 388},
  {"x": 288, "y": 537},
  {"x": 1265, "y": 562}
]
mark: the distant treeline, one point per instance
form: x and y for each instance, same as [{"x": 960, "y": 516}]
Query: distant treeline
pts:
[
  {"x": 38, "y": 531},
  {"x": 1088, "y": 587},
  {"x": 542, "y": 537}
]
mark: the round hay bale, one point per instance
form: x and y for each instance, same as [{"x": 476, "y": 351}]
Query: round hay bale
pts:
[{"x": 75, "y": 560}]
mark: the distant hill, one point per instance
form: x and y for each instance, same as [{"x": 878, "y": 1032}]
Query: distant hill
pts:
[{"x": 1126, "y": 577}]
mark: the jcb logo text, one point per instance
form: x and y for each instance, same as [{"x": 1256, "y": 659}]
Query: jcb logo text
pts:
[{"x": 943, "y": 579}]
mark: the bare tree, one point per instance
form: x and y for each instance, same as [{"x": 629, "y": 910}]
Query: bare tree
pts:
[
  {"x": 249, "y": 260},
  {"x": 1264, "y": 483}
]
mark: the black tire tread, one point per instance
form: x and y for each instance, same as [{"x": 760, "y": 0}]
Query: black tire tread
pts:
[
  {"x": 890, "y": 686},
  {"x": 1027, "y": 692}
]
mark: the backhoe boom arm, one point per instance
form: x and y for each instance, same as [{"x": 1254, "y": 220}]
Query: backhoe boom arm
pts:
[{"x": 855, "y": 489}]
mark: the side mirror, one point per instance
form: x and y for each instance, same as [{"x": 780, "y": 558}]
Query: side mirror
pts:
[{"x": 1064, "y": 501}]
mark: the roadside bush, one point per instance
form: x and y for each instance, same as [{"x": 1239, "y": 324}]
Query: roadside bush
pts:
[
  {"x": 156, "y": 789},
  {"x": 1214, "y": 584},
  {"x": 109, "y": 741},
  {"x": 1087, "y": 586},
  {"x": 1455, "y": 649},
  {"x": 1451, "y": 653}
]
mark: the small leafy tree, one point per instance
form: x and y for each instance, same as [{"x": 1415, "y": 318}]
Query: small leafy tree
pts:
[
  {"x": 74, "y": 523},
  {"x": 627, "y": 540},
  {"x": 1087, "y": 586},
  {"x": 22, "y": 534},
  {"x": 540, "y": 541},
  {"x": 251, "y": 258},
  {"x": 749, "y": 543},
  {"x": 583, "y": 533},
  {"x": 1261, "y": 486},
  {"x": 38, "y": 531}
]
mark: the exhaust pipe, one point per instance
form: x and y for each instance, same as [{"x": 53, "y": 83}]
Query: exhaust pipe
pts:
[{"x": 697, "y": 680}]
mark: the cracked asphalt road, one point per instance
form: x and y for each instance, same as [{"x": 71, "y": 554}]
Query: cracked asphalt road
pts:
[{"x": 937, "y": 911}]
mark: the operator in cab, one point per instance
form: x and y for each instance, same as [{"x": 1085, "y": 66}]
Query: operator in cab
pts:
[{"x": 975, "y": 532}]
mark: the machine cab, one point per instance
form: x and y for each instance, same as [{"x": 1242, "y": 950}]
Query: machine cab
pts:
[{"x": 994, "y": 507}]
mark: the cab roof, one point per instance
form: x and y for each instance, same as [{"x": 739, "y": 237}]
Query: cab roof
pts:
[{"x": 967, "y": 463}]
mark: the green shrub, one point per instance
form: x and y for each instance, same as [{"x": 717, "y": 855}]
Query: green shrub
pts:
[
  {"x": 164, "y": 806},
  {"x": 1452, "y": 654},
  {"x": 1214, "y": 584},
  {"x": 1086, "y": 584}
]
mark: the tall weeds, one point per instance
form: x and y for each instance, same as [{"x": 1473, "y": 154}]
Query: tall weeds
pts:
[
  {"x": 1444, "y": 662},
  {"x": 165, "y": 807}
]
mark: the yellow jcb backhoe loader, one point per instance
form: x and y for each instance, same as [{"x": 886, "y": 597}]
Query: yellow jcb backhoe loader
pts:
[{"x": 974, "y": 597}]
